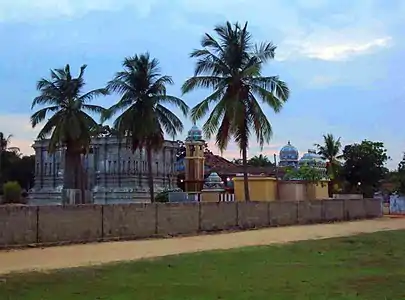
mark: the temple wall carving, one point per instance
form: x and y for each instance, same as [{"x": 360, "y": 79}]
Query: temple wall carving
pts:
[{"x": 111, "y": 167}]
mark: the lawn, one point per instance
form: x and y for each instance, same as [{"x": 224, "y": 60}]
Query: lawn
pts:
[{"x": 365, "y": 267}]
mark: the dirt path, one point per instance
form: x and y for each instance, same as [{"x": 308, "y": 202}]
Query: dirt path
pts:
[{"x": 90, "y": 254}]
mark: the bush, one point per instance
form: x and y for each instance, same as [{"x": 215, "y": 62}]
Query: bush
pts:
[
  {"x": 12, "y": 192},
  {"x": 163, "y": 197}
]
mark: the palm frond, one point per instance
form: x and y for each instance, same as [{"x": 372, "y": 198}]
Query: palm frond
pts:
[
  {"x": 201, "y": 82},
  {"x": 94, "y": 109},
  {"x": 265, "y": 51},
  {"x": 170, "y": 122},
  {"x": 224, "y": 132},
  {"x": 201, "y": 109},
  {"x": 177, "y": 102},
  {"x": 159, "y": 86},
  {"x": 45, "y": 99},
  {"x": 213, "y": 121},
  {"x": 268, "y": 98},
  {"x": 40, "y": 115},
  {"x": 259, "y": 121},
  {"x": 209, "y": 63},
  {"x": 278, "y": 87},
  {"x": 89, "y": 96},
  {"x": 209, "y": 42},
  {"x": 49, "y": 126}
]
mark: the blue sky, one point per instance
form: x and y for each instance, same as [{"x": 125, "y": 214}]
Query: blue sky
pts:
[{"x": 343, "y": 60}]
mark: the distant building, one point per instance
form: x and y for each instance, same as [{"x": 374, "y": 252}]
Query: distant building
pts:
[{"x": 288, "y": 156}]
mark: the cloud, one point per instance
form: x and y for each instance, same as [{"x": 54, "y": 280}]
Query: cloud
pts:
[
  {"x": 314, "y": 29},
  {"x": 331, "y": 50},
  {"x": 18, "y": 125},
  {"x": 28, "y": 10}
]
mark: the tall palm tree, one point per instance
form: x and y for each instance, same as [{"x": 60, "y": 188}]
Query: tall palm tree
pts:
[
  {"x": 231, "y": 66},
  {"x": 329, "y": 151},
  {"x": 144, "y": 118},
  {"x": 69, "y": 124}
]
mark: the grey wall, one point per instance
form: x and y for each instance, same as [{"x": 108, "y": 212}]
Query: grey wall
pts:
[{"x": 24, "y": 225}]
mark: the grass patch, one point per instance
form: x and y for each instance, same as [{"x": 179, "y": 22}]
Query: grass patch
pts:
[{"x": 368, "y": 267}]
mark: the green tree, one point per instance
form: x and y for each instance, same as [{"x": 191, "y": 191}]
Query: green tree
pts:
[
  {"x": 399, "y": 177},
  {"x": 6, "y": 151},
  {"x": 69, "y": 124},
  {"x": 5, "y": 143},
  {"x": 260, "y": 161},
  {"x": 144, "y": 118},
  {"x": 330, "y": 151},
  {"x": 306, "y": 173},
  {"x": 231, "y": 66},
  {"x": 22, "y": 170},
  {"x": 364, "y": 166}
]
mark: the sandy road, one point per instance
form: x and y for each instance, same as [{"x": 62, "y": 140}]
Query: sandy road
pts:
[{"x": 91, "y": 254}]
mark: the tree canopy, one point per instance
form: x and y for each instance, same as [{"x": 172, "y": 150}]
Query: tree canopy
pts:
[
  {"x": 305, "y": 173},
  {"x": 231, "y": 66},
  {"x": 68, "y": 122},
  {"x": 364, "y": 165},
  {"x": 67, "y": 107},
  {"x": 143, "y": 117},
  {"x": 260, "y": 161}
]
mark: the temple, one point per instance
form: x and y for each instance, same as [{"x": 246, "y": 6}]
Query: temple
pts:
[
  {"x": 114, "y": 173},
  {"x": 289, "y": 157}
]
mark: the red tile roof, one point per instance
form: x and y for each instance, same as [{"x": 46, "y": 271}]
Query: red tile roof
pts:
[{"x": 221, "y": 165}]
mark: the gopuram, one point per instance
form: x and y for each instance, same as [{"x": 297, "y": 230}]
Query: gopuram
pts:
[{"x": 114, "y": 173}]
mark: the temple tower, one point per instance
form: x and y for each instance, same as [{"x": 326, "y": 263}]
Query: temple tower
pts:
[{"x": 194, "y": 161}]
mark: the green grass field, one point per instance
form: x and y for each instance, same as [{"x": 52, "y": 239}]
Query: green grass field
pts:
[{"x": 363, "y": 267}]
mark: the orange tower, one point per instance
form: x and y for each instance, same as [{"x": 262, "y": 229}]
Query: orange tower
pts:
[{"x": 194, "y": 161}]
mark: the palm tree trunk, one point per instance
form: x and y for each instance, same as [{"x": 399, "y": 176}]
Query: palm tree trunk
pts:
[
  {"x": 73, "y": 176},
  {"x": 331, "y": 174},
  {"x": 245, "y": 174},
  {"x": 150, "y": 174},
  {"x": 330, "y": 188}
]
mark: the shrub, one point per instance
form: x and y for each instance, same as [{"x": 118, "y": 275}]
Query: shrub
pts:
[
  {"x": 163, "y": 196},
  {"x": 12, "y": 192}
]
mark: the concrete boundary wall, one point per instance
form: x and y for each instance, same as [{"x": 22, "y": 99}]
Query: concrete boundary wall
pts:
[{"x": 43, "y": 225}]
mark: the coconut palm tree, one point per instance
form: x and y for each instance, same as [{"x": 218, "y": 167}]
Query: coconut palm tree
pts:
[
  {"x": 231, "y": 66},
  {"x": 69, "y": 124},
  {"x": 329, "y": 151},
  {"x": 144, "y": 118},
  {"x": 260, "y": 161}
]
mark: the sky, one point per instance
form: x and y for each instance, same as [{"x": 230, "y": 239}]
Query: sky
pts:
[{"x": 342, "y": 60}]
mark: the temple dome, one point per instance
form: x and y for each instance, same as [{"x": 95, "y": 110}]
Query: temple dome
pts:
[
  {"x": 194, "y": 134},
  {"x": 288, "y": 152},
  {"x": 312, "y": 159}
]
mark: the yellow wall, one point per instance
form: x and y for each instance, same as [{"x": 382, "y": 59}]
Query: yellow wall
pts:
[
  {"x": 318, "y": 191},
  {"x": 265, "y": 189},
  {"x": 210, "y": 196},
  {"x": 260, "y": 188}
]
